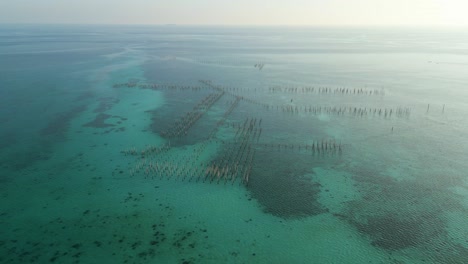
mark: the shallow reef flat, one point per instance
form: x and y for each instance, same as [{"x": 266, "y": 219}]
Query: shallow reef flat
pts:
[{"x": 238, "y": 148}]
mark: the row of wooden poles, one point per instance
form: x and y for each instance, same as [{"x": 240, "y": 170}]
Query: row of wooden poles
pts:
[
  {"x": 219, "y": 88},
  {"x": 181, "y": 127},
  {"x": 210, "y": 171},
  {"x": 300, "y": 90},
  {"x": 401, "y": 112},
  {"x": 153, "y": 166},
  {"x": 220, "y": 62},
  {"x": 148, "y": 150},
  {"x": 250, "y": 125},
  {"x": 320, "y": 146},
  {"x": 178, "y": 87},
  {"x": 240, "y": 155},
  {"x": 326, "y": 90},
  {"x": 167, "y": 168},
  {"x": 154, "y": 86},
  {"x": 235, "y": 164},
  {"x": 272, "y": 89},
  {"x": 234, "y": 104},
  {"x": 259, "y": 66},
  {"x": 189, "y": 166}
]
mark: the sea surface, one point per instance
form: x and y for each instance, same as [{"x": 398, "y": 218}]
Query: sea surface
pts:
[{"x": 178, "y": 144}]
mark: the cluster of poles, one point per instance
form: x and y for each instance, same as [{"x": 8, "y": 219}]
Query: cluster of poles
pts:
[
  {"x": 317, "y": 147},
  {"x": 169, "y": 169},
  {"x": 148, "y": 150},
  {"x": 192, "y": 172},
  {"x": 249, "y": 126},
  {"x": 180, "y": 166},
  {"x": 326, "y": 90},
  {"x": 234, "y": 104},
  {"x": 209, "y": 83},
  {"x": 271, "y": 89},
  {"x": 228, "y": 91},
  {"x": 259, "y": 66},
  {"x": 401, "y": 112},
  {"x": 181, "y": 127},
  {"x": 236, "y": 163},
  {"x": 188, "y": 168},
  {"x": 154, "y": 86}
]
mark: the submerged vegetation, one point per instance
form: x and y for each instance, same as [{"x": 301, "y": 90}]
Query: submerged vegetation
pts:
[{"x": 214, "y": 153}]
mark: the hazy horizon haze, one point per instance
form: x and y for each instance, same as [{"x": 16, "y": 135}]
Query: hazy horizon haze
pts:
[{"x": 242, "y": 12}]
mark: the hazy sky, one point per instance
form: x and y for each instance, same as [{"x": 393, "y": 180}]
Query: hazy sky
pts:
[{"x": 238, "y": 12}]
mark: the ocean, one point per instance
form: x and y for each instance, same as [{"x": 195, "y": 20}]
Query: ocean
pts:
[{"x": 223, "y": 144}]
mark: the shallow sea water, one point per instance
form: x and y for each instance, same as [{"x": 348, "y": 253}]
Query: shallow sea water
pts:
[{"x": 274, "y": 162}]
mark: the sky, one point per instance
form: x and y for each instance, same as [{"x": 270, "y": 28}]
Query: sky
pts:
[{"x": 239, "y": 12}]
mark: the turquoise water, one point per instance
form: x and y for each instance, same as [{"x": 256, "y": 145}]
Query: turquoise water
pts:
[{"x": 168, "y": 144}]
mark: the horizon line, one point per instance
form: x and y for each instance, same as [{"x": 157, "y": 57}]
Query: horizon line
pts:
[{"x": 243, "y": 25}]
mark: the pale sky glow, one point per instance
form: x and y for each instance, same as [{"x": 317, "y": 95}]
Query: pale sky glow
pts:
[{"x": 239, "y": 12}]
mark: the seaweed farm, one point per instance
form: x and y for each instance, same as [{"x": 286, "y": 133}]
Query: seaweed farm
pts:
[{"x": 233, "y": 145}]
